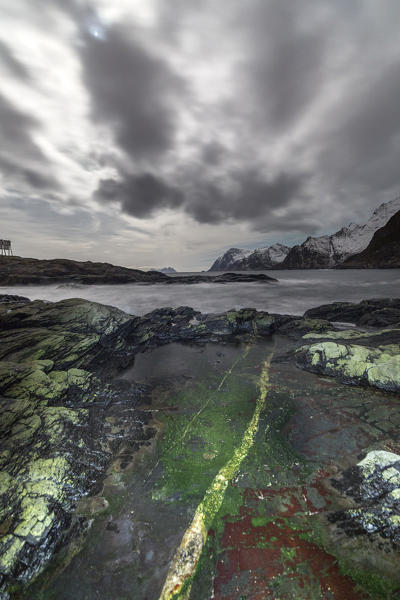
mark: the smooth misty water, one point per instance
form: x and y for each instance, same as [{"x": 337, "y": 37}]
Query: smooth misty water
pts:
[{"x": 296, "y": 292}]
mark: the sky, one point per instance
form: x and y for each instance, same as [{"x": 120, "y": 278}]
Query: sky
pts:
[{"x": 151, "y": 133}]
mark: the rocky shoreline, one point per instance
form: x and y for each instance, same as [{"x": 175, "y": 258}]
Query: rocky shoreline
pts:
[
  {"x": 15, "y": 270},
  {"x": 65, "y": 415}
]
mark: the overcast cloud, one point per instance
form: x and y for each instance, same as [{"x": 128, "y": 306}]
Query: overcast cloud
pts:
[{"x": 147, "y": 132}]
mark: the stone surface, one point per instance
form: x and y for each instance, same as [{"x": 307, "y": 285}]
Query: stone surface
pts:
[
  {"x": 356, "y": 356},
  {"x": 374, "y": 487}
]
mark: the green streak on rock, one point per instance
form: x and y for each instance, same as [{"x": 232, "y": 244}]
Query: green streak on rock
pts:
[{"x": 182, "y": 570}]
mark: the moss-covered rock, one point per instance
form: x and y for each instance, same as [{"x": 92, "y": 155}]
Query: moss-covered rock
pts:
[{"x": 48, "y": 357}]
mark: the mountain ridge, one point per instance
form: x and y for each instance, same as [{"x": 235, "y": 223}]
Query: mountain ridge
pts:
[
  {"x": 327, "y": 251},
  {"x": 383, "y": 251},
  {"x": 322, "y": 252}
]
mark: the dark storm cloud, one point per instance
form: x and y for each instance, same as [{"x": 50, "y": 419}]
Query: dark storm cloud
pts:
[
  {"x": 139, "y": 195},
  {"x": 21, "y": 160},
  {"x": 132, "y": 90},
  {"x": 251, "y": 197},
  {"x": 371, "y": 126},
  {"x": 14, "y": 66},
  {"x": 16, "y": 127},
  {"x": 294, "y": 55},
  {"x": 212, "y": 153},
  {"x": 286, "y": 60},
  {"x": 360, "y": 145}
]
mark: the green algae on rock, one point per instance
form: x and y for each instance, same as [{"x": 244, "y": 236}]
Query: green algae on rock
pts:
[{"x": 182, "y": 570}]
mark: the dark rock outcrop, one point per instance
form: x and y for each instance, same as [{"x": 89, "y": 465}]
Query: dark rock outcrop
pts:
[
  {"x": 5, "y": 298},
  {"x": 165, "y": 270},
  {"x": 15, "y": 270},
  {"x": 379, "y": 312},
  {"x": 224, "y": 278},
  {"x": 383, "y": 251},
  {"x": 52, "y": 448},
  {"x": 21, "y": 271}
]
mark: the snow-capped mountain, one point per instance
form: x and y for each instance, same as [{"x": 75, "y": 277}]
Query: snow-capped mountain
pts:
[
  {"x": 330, "y": 250},
  {"x": 236, "y": 259},
  {"x": 233, "y": 256}
]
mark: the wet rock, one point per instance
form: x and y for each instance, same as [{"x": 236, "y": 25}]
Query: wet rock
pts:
[
  {"x": 167, "y": 325},
  {"x": 57, "y": 363},
  {"x": 374, "y": 487},
  {"x": 296, "y": 328},
  {"x": 92, "y": 506}
]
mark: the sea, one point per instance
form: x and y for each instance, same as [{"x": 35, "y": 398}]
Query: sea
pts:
[{"x": 295, "y": 292}]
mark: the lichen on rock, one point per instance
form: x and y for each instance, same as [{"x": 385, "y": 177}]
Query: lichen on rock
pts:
[
  {"x": 353, "y": 363},
  {"x": 374, "y": 486}
]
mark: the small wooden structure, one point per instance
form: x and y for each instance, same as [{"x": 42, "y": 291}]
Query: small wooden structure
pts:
[{"x": 5, "y": 248}]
